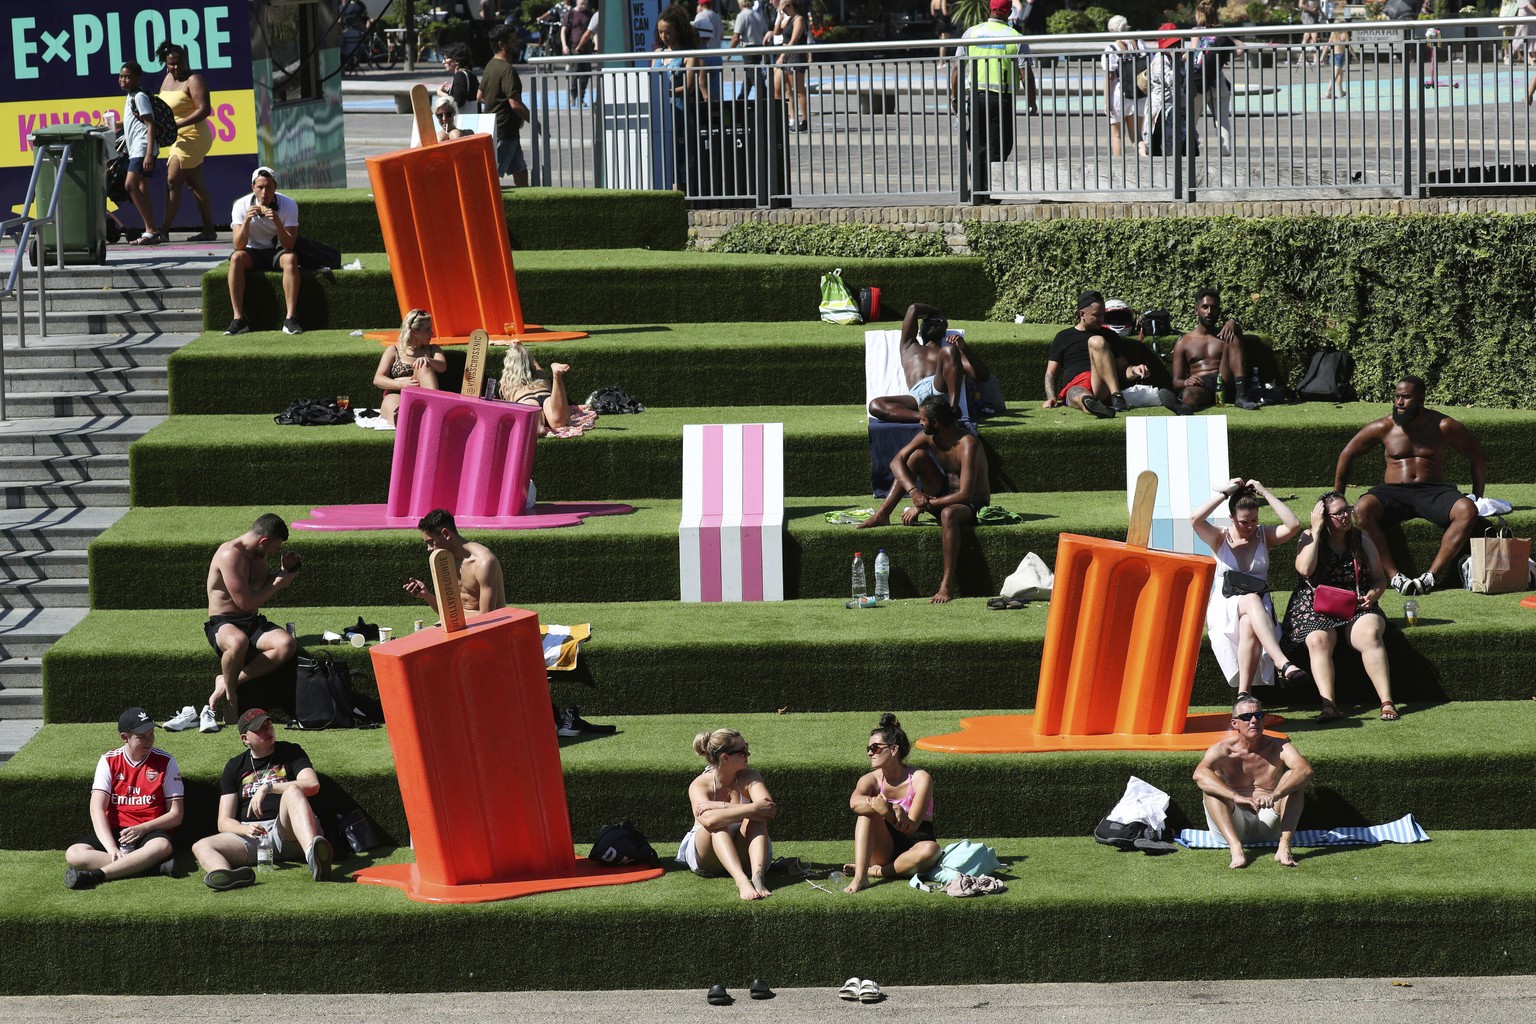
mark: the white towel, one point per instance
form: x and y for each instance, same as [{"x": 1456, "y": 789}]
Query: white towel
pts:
[
  {"x": 374, "y": 423},
  {"x": 1487, "y": 506},
  {"x": 1142, "y": 802}
]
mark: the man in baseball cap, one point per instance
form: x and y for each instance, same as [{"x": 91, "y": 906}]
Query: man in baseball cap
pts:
[
  {"x": 264, "y": 794},
  {"x": 136, "y": 803}
]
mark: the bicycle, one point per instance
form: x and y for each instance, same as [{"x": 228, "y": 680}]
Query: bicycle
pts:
[{"x": 370, "y": 49}]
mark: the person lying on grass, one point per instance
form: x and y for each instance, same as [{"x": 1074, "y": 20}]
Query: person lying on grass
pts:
[
  {"x": 944, "y": 471},
  {"x": 1253, "y": 785},
  {"x": 520, "y": 383},
  {"x": 411, "y": 362},
  {"x": 891, "y": 839},
  {"x": 731, "y": 811}
]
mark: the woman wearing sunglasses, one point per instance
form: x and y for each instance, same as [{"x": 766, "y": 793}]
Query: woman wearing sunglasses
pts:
[
  {"x": 731, "y": 811},
  {"x": 1341, "y": 584},
  {"x": 893, "y": 837},
  {"x": 411, "y": 362},
  {"x": 1240, "y": 617}
]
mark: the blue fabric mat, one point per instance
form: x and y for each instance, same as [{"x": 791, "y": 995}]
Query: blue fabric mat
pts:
[{"x": 1403, "y": 830}]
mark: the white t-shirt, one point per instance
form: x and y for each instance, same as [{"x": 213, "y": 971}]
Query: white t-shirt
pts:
[
  {"x": 261, "y": 233},
  {"x": 137, "y": 135},
  {"x": 709, "y": 26}
]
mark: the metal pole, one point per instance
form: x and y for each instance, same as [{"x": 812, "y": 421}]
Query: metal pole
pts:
[{"x": 408, "y": 17}]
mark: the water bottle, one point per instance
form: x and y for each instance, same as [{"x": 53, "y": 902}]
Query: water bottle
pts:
[
  {"x": 860, "y": 588},
  {"x": 1221, "y": 387},
  {"x": 1255, "y": 383},
  {"x": 882, "y": 576},
  {"x": 264, "y": 851}
]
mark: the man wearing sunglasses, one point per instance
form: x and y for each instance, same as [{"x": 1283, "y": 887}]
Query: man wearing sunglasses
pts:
[{"x": 1253, "y": 785}]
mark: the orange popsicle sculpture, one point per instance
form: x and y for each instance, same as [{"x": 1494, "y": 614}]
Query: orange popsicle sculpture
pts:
[
  {"x": 1121, "y": 642},
  {"x": 474, "y": 744}
]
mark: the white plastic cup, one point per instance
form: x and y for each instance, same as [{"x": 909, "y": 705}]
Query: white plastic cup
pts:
[
  {"x": 386, "y": 634},
  {"x": 356, "y": 639}
]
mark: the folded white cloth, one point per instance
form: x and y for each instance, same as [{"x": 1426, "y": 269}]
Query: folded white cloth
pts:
[
  {"x": 1031, "y": 581},
  {"x": 1487, "y": 506},
  {"x": 1142, "y": 802},
  {"x": 374, "y": 423}
]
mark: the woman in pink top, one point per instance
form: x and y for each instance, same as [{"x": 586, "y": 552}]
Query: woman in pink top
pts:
[{"x": 894, "y": 835}]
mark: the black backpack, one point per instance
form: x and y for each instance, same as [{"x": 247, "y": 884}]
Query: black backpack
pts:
[
  {"x": 622, "y": 844},
  {"x": 1137, "y": 835},
  {"x": 1132, "y": 64},
  {"x": 1155, "y": 323},
  {"x": 322, "y": 695},
  {"x": 611, "y": 400},
  {"x": 165, "y": 121},
  {"x": 1330, "y": 377},
  {"x": 313, "y": 412}
]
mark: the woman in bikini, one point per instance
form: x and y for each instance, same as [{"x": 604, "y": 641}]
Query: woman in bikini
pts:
[
  {"x": 520, "y": 383},
  {"x": 412, "y": 361},
  {"x": 891, "y": 839},
  {"x": 731, "y": 811},
  {"x": 188, "y": 97},
  {"x": 1242, "y": 626},
  {"x": 1334, "y": 553}
]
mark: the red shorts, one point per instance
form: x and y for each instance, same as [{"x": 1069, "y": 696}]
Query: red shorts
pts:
[{"x": 1082, "y": 380}]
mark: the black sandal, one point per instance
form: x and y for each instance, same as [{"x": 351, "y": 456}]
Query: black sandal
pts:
[
  {"x": 1330, "y": 712},
  {"x": 1287, "y": 678}
]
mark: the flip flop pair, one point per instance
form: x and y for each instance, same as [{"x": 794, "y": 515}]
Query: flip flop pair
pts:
[{"x": 998, "y": 604}]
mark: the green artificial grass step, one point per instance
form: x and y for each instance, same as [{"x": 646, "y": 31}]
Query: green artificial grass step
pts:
[
  {"x": 537, "y": 218},
  {"x": 622, "y": 286},
  {"x": 666, "y": 657},
  {"x": 1466, "y": 901},
  {"x": 1452, "y": 765},
  {"x": 826, "y": 451},
  {"x": 801, "y": 362},
  {"x": 154, "y": 557}
]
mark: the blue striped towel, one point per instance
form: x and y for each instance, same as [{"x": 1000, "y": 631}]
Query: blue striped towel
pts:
[{"x": 1403, "y": 830}]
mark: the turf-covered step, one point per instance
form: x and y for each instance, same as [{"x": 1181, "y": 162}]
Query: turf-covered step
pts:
[
  {"x": 537, "y": 218},
  {"x": 666, "y": 657},
  {"x": 826, "y": 451},
  {"x": 630, "y": 557},
  {"x": 1467, "y": 898},
  {"x": 638, "y": 286},
  {"x": 803, "y": 362},
  {"x": 1453, "y": 765}
]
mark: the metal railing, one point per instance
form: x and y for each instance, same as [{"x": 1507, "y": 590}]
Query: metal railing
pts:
[
  {"x": 29, "y": 235},
  {"x": 1391, "y": 110}
]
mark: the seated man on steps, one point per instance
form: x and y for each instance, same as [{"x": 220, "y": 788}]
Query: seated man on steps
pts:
[
  {"x": 1415, "y": 439},
  {"x": 266, "y": 229},
  {"x": 1095, "y": 368},
  {"x": 1209, "y": 354},
  {"x": 1253, "y": 785},
  {"x": 239, "y": 582},
  {"x": 931, "y": 367},
  {"x": 480, "y": 583},
  {"x": 264, "y": 791},
  {"x": 944, "y": 471},
  {"x": 136, "y": 803}
]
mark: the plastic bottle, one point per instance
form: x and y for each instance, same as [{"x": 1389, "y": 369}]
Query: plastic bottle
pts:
[
  {"x": 1255, "y": 383},
  {"x": 860, "y": 588},
  {"x": 1221, "y": 387},
  {"x": 882, "y": 576},
  {"x": 264, "y": 852}
]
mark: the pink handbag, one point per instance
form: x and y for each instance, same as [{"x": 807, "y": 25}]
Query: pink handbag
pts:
[{"x": 1336, "y": 601}]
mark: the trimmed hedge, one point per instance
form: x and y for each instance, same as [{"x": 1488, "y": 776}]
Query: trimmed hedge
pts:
[
  {"x": 1426, "y": 294},
  {"x": 668, "y": 658},
  {"x": 1372, "y": 772},
  {"x": 537, "y": 218},
  {"x": 622, "y": 557},
  {"x": 805, "y": 362},
  {"x": 826, "y": 451},
  {"x": 1466, "y": 898},
  {"x": 849, "y": 240},
  {"x": 578, "y": 288}
]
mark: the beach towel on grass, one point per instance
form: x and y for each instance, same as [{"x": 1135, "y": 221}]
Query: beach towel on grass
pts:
[
  {"x": 582, "y": 419},
  {"x": 562, "y": 644},
  {"x": 1403, "y": 830}
]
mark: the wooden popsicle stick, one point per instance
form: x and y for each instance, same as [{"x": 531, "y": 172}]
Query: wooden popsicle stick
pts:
[
  {"x": 421, "y": 108},
  {"x": 1140, "y": 531},
  {"x": 445, "y": 583},
  {"x": 474, "y": 364}
]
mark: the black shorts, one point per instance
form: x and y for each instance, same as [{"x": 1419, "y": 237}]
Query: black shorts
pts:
[
  {"x": 901, "y": 842},
  {"x": 1432, "y": 501},
  {"x": 253, "y": 626},
  {"x": 1206, "y": 381},
  {"x": 95, "y": 843},
  {"x": 263, "y": 260},
  {"x": 136, "y": 166},
  {"x": 943, "y": 24}
]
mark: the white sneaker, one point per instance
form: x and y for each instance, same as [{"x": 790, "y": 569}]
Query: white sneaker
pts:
[
  {"x": 206, "y": 722},
  {"x": 186, "y": 720},
  {"x": 1405, "y": 585}
]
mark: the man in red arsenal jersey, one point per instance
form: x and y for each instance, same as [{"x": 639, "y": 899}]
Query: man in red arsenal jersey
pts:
[{"x": 136, "y": 802}]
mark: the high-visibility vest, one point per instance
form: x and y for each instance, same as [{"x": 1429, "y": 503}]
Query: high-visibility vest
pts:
[{"x": 993, "y": 65}]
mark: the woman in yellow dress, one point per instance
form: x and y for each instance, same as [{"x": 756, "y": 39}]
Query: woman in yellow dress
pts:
[{"x": 187, "y": 96}]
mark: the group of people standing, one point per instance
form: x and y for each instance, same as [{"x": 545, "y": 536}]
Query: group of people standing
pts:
[{"x": 186, "y": 94}]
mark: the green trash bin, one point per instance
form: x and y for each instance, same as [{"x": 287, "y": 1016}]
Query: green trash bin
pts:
[{"x": 82, "y": 213}]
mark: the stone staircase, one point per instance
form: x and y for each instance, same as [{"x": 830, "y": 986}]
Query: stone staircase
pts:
[{"x": 76, "y": 401}]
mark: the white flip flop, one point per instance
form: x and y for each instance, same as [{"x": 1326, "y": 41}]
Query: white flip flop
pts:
[
  {"x": 850, "y": 990},
  {"x": 869, "y": 992}
]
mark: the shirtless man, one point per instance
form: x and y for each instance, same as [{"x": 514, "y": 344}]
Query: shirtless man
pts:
[
  {"x": 1091, "y": 358},
  {"x": 239, "y": 583},
  {"x": 1207, "y": 352},
  {"x": 932, "y": 367},
  {"x": 1253, "y": 785},
  {"x": 1415, "y": 439},
  {"x": 944, "y": 470},
  {"x": 480, "y": 586}
]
